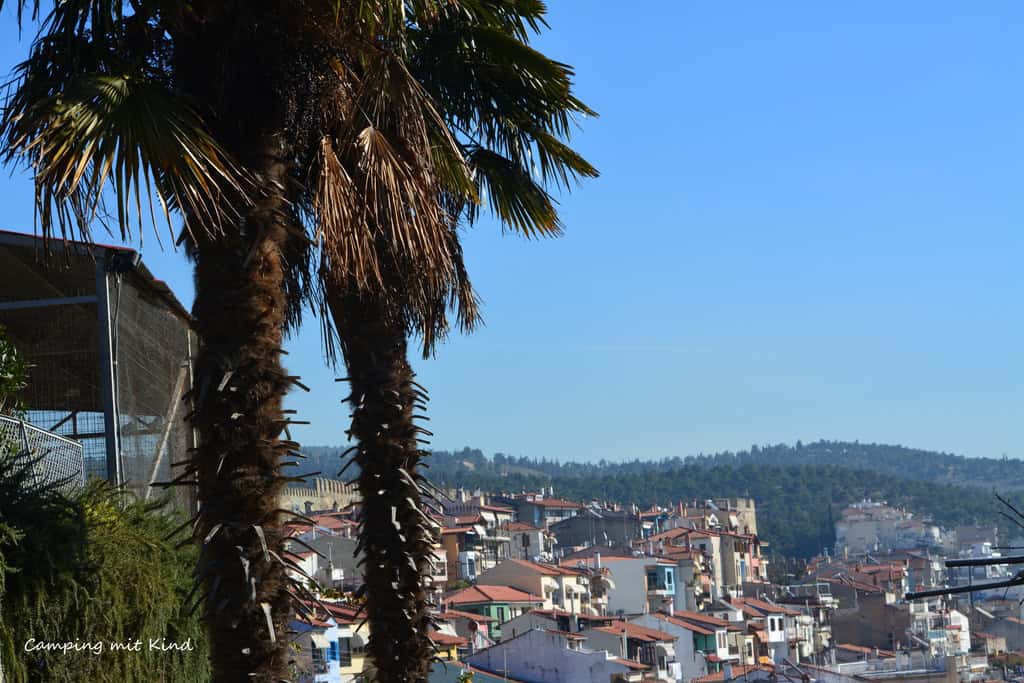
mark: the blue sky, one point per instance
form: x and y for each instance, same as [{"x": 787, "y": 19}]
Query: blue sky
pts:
[{"x": 808, "y": 226}]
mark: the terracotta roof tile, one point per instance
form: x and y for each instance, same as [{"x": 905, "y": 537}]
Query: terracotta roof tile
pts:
[
  {"x": 446, "y": 639},
  {"x": 860, "y": 649},
  {"x": 547, "y": 569},
  {"x": 755, "y": 607},
  {"x": 472, "y": 616},
  {"x": 682, "y": 623},
  {"x": 636, "y": 631},
  {"x": 737, "y": 672},
  {"x": 484, "y": 593},
  {"x": 555, "y": 503},
  {"x": 637, "y": 666},
  {"x": 700, "y": 618}
]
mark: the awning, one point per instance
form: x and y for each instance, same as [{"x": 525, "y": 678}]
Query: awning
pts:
[
  {"x": 320, "y": 641},
  {"x": 358, "y": 640}
]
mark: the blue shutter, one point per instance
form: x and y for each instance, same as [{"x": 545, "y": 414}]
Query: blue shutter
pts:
[{"x": 333, "y": 654}]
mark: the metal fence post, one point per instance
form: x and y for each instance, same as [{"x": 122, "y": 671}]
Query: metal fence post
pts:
[{"x": 108, "y": 371}]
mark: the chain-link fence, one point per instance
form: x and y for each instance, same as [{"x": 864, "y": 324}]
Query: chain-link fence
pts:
[
  {"x": 59, "y": 460},
  {"x": 109, "y": 350}
]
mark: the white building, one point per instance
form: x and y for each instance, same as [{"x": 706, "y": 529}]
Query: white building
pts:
[
  {"x": 693, "y": 643},
  {"x": 547, "y": 657},
  {"x": 317, "y": 653},
  {"x": 636, "y": 643},
  {"x": 642, "y": 584}
]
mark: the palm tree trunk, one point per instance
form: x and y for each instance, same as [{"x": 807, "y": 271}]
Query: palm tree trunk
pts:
[
  {"x": 240, "y": 311},
  {"x": 395, "y": 537}
]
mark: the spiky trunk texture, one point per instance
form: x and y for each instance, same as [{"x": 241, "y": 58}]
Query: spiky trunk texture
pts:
[
  {"x": 395, "y": 536},
  {"x": 229, "y": 61},
  {"x": 240, "y": 383}
]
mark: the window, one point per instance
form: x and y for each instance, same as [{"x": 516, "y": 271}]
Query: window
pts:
[
  {"x": 750, "y": 650},
  {"x": 345, "y": 651},
  {"x": 319, "y": 663}
]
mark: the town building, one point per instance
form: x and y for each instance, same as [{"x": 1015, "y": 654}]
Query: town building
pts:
[
  {"x": 540, "y": 509},
  {"x": 597, "y": 526},
  {"x": 498, "y": 602},
  {"x": 640, "y": 584},
  {"x": 774, "y": 625},
  {"x": 317, "y": 653},
  {"x": 871, "y": 526},
  {"x": 696, "y": 645},
  {"x": 320, "y": 494},
  {"x": 631, "y": 641},
  {"x": 553, "y": 620},
  {"x": 560, "y": 587},
  {"x": 530, "y": 542},
  {"x": 549, "y": 657}
]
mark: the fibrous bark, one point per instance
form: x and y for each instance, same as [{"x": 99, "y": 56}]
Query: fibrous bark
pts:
[
  {"x": 396, "y": 537},
  {"x": 240, "y": 383}
]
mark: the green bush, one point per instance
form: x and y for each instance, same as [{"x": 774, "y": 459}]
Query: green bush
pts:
[
  {"x": 13, "y": 370},
  {"x": 92, "y": 568}
]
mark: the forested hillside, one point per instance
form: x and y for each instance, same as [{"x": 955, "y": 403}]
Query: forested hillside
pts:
[
  {"x": 799, "y": 490},
  {"x": 897, "y": 461}
]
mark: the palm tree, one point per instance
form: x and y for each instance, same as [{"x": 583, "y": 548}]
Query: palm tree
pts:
[
  {"x": 271, "y": 127},
  {"x": 122, "y": 106},
  {"x": 499, "y": 111}
]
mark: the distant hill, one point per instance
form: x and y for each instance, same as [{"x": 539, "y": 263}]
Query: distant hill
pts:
[
  {"x": 799, "y": 489},
  {"x": 896, "y": 461}
]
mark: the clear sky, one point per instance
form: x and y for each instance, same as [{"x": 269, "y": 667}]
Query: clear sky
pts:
[{"x": 809, "y": 225}]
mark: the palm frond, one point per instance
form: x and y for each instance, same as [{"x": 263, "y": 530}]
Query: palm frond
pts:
[
  {"x": 512, "y": 106},
  {"x": 99, "y": 139},
  {"x": 513, "y": 195},
  {"x": 388, "y": 186},
  {"x": 19, "y": 10}
]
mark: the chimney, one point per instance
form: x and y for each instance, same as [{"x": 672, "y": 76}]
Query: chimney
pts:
[{"x": 597, "y": 560}]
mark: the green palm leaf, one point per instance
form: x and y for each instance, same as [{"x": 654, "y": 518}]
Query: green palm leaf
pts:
[{"x": 106, "y": 137}]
